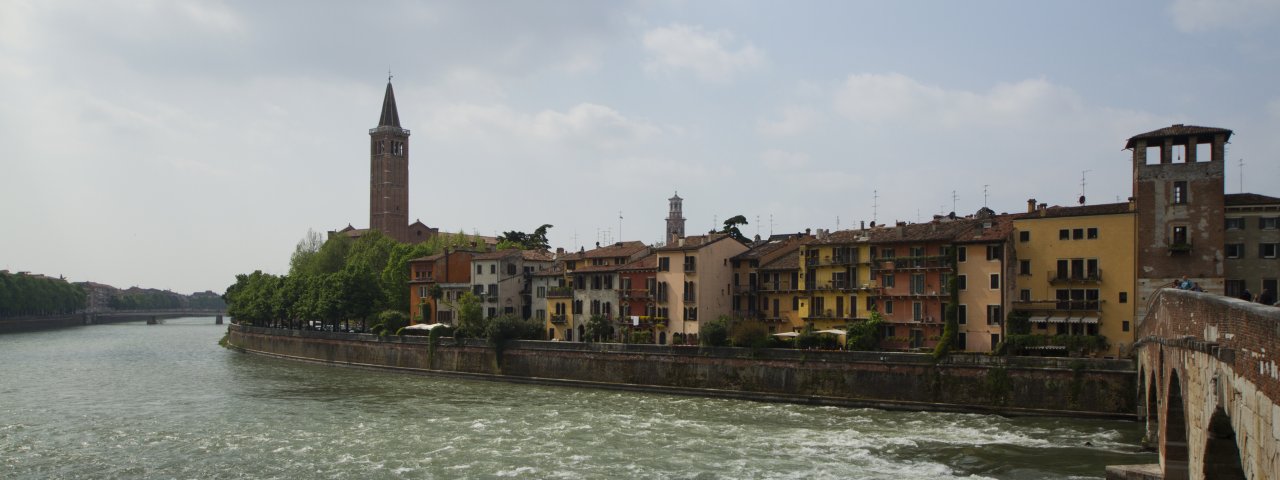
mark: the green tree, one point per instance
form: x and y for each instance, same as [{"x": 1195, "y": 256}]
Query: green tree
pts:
[
  {"x": 715, "y": 333},
  {"x": 470, "y": 316},
  {"x": 731, "y": 228},
  {"x": 598, "y": 329},
  {"x": 864, "y": 335},
  {"x": 525, "y": 241},
  {"x": 749, "y": 334}
]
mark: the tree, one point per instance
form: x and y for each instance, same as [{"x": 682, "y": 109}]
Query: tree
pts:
[
  {"x": 716, "y": 332},
  {"x": 731, "y": 228},
  {"x": 470, "y": 316},
  {"x": 864, "y": 335},
  {"x": 598, "y": 328},
  {"x": 524, "y": 241}
]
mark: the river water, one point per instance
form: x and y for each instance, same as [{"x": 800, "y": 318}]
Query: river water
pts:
[{"x": 165, "y": 401}]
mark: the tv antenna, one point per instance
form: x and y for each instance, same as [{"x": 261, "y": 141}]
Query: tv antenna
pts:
[
  {"x": 984, "y": 194},
  {"x": 875, "y": 204},
  {"x": 1083, "y": 182},
  {"x": 1241, "y": 163}
]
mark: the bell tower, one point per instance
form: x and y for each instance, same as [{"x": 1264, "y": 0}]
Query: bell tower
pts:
[
  {"x": 675, "y": 219},
  {"x": 389, "y": 172}
]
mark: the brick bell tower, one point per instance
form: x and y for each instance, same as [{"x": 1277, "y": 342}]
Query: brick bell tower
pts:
[{"x": 389, "y": 172}]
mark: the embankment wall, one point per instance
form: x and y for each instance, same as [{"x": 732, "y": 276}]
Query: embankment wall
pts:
[{"x": 965, "y": 383}]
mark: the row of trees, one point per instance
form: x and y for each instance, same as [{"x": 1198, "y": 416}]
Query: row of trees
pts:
[
  {"x": 141, "y": 299},
  {"x": 23, "y": 295},
  {"x": 335, "y": 282}
]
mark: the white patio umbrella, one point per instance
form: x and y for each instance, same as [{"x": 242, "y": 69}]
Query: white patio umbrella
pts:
[
  {"x": 424, "y": 326},
  {"x": 834, "y": 331},
  {"x": 787, "y": 334}
]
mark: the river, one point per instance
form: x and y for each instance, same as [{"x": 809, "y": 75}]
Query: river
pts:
[{"x": 165, "y": 401}]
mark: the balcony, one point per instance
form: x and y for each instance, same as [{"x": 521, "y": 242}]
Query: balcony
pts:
[
  {"x": 748, "y": 314},
  {"x": 641, "y": 294},
  {"x": 776, "y": 287},
  {"x": 690, "y": 268},
  {"x": 927, "y": 262},
  {"x": 559, "y": 319},
  {"x": 1060, "y": 277},
  {"x": 742, "y": 289},
  {"x": 559, "y": 292},
  {"x": 1179, "y": 248},
  {"x": 829, "y": 315}
]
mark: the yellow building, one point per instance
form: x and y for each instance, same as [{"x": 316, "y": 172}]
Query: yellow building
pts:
[
  {"x": 751, "y": 301},
  {"x": 834, "y": 279},
  {"x": 1075, "y": 272},
  {"x": 779, "y": 292}
]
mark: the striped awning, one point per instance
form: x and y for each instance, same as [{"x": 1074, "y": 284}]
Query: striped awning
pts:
[{"x": 1038, "y": 319}]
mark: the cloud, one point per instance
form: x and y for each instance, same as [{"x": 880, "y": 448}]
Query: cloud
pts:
[
  {"x": 708, "y": 54},
  {"x": 795, "y": 120},
  {"x": 884, "y": 98},
  {"x": 783, "y": 160},
  {"x": 1203, "y": 15},
  {"x": 585, "y": 124}
]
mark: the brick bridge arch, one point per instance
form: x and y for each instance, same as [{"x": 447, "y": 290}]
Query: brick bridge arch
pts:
[{"x": 1208, "y": 386}]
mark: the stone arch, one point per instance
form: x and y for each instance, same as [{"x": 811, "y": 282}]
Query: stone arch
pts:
[
  {"x": 1175, "y": 431},
  {"x": 1221, "y": 452},
  {"x": 1152, "y": 394},
  {"x": 662, "y": 338}
]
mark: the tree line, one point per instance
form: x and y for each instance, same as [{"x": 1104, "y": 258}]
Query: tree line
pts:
[
  {"x": 335, "y": 282},
  {"x": 24, "y": 295}
]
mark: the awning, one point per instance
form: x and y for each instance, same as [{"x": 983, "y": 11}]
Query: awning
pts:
[
  {"x": 834, "y": 331},
  {"x": 1039, "y": 319},
  {"x": 1088, "y": 320},
  {"x": 786, "y": 334},
  {"x": 1062, "y": 319}
]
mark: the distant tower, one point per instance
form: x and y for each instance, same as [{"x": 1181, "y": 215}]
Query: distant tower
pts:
[
  {"x": 1179, "y": 212},
  {"x": 675, "y": 219},
  {"x": 389, "y": 172}
]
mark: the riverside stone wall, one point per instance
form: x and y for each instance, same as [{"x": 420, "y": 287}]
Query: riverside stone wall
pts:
[{"x": 969, "y": 383}]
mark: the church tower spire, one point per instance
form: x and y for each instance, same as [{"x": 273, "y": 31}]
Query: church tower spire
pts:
[
  {"x": 389, "y": 172},
  {"x": 675, "y": 218}
]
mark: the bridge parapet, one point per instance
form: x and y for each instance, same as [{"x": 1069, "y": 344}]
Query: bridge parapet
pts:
[{"x": 1209, "y": 385}]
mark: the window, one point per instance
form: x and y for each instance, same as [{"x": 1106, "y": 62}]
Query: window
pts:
[
  {"x": 1077, "y": 233},
  {"x": 1179, "y": 235},
  {"x": 1024, "y": 295},
  {"x": 1024, "y": 267},
  {"x": 917, "y": 284},
  {"x": 795, "y": 303},
  {"x": 1267, "y": 250},
  {"x": 1235, "y": 224},
  {"x": 960, "y": 341},
  {"x": 479, "y": 269},
  {"x": 493, "y": 312},
  {"x": 995, "y": 281},
  {"x": 1024, "y": 236},
  {"x": 961, "y": 254},
  {"x": 664, "y": 264},
  {"x": 962, "y": 281},
  {"x": 993, "y": 314},
  {"x": 1124, "y": 325},
  {"x": 995, "y": 252},
  {"x": 542, "y": 292},
  {"x": 888, "y": 307},
  {"x": 541, "y": 315},
  {"x": 962, "y": 314},
  {"x": 690, "y": 264},
  {"x": 917, "y": 311},
  {"x": 889, "y": 280},
  {"x": 1233, "y": 288},
  {"x": 1064, "y": 234},
  {"x": 1092, "y": 233},
  {"x": 995, "y": 340},
  {"x": 511, "y": 269},
  {"x": 1267, "y": 223},
  {"x": 1124, "y": 297},
  {"x": 1179, "y": 193},
  {"x": 493, "y": 269},
  {"x": 1235, "y": 250}
]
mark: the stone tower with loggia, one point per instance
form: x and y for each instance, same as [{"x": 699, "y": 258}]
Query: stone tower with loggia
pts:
[
  {"x": 389, "y": 172},
  {"x": 1178, "y": 175},
  {"x": 675, "y": 219}
]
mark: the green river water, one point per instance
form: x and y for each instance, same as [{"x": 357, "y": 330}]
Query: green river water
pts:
[{"x": 165, "y": 401}]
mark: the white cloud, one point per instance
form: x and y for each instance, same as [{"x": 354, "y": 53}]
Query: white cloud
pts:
[
  {"x": 886, "y": 98},
  {"x": 708, "y": 54},
  {"x": 782, "y": 160},
  {"x": 1203, "y": 15},
  {"x": 795, "y": 120},
  {"x": 587, "y": 124}
]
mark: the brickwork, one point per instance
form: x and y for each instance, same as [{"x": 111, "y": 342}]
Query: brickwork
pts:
[{"x": 1222, "y": 353}]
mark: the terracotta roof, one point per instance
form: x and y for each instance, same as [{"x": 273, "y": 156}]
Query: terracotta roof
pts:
[
  {"x": 790, "y": 261},
  {"x": 537, "y": 255},
  {"x": 1001, "y": 228},
  {"x": 648, "y": 262},
  {"x": 428, "y": 258},
  {"x": 841, "y": 237},
  {"x": 765, "y": 247},
  {"x": 555, "y": 271},
  {"x": 620, "y": 249},
  {"x": 1081, "y": 211},
  {"x": 1177, "y": 130},
  {"x": 943, "y": 230},
  {"x": 696, "y": 241},
  {"x": 1235, "y": 199},
  {"x": 500, "y": 254}
]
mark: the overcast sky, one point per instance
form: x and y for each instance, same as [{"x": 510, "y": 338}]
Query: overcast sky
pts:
[{"x": 173, "y": 144}]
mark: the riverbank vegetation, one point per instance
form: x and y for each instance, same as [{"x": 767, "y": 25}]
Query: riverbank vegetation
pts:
[
  {"x": 24, "y": 294},
  {"x": 336, "y": 284}
]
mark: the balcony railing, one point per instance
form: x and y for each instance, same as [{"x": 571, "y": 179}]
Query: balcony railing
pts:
[
  {"x": 641, "y": 294},
  {"x": 912, "y": 263},
  {"x": 559, "y": 319},
  {"x": 690, "y": 268},
  {"x": 1179, "y": 248},
  {"x": 829, "y": 315},
  {"x": 1056, "y": 277},
  {"x": 559, "y": 292},
  {"x": 741, "y": 289},
  {"x": 748, "y": 314},
  {"x": 776, "y": 287}
]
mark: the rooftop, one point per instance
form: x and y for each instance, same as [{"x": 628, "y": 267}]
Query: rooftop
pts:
[
  {"x": 1179, "y": 130},
  {"x": 1241, "y": 199},
  {"x": 1080, "y": 211}
]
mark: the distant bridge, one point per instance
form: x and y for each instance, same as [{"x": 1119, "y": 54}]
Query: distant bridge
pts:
[
  {"x": 154, "y": 317},
  {"x": 1208, "y": 387}
]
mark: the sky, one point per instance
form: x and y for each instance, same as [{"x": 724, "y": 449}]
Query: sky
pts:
[{"x": 175, "y": 144}]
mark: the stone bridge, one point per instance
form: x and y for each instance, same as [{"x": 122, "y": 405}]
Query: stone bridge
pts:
[
  {"x": 1208, "y": 388},
  {"x": 154, "y": 317}
]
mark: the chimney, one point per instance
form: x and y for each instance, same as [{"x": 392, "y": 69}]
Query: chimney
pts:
[
  {"x": 806, "y": 231},
  {"x": 1133, "y": 204},
  {"x": 862, "y": 225},
  {"x": 1031, "y": 205},
  {"x": 559, "y": 250},
  {"x": 1044, "y": 209}
]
